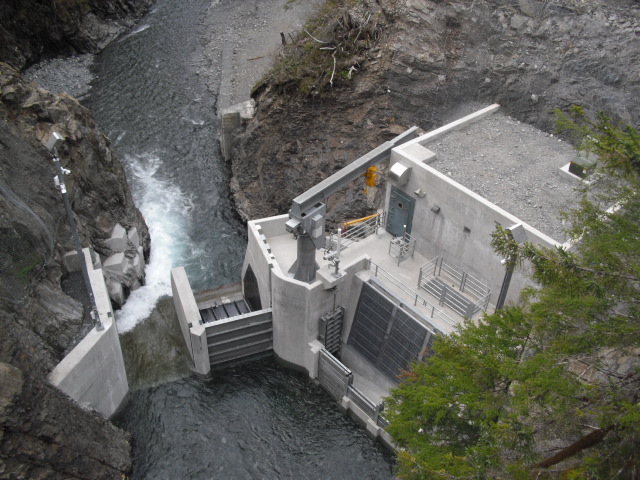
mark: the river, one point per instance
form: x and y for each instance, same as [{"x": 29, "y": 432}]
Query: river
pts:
[{"x": 250, "y": 420}]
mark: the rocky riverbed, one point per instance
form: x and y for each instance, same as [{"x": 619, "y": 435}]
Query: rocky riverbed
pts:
[{"x": 71, "y": 75}]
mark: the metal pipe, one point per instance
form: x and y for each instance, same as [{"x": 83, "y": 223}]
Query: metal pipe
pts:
[
  {"x": 76, "y": 241},
  {"x": 337, "y": 257}
]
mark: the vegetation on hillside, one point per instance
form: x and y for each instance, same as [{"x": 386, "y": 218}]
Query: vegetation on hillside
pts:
[
  {"x": 329, "y": 50},
  {"x": 549, "y": 388}
]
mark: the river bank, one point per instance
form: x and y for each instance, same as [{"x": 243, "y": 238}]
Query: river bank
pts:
[{"x": 239, "y": 45}]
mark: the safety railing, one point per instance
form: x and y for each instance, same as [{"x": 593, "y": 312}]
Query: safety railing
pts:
[
  {"x": 337, "y": 379},
  {"x": 471, "y": 296},
  {"x": 402, "y": 247},
  {"x": 354, "y": 231},
  {"x": 417, "y": 299},
  {"x": 333, "y": 375},
  {"x": 382, "y": 421},
  {"x": 362, "y": 402}
]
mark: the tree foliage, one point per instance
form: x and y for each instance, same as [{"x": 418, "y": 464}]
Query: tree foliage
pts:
[{"x": 549, "y": 388}]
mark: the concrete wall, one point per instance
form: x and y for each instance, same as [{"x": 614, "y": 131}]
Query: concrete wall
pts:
[
  {"x": 461, "y": 230},
  {"x": 297, "y": 306},
  {"x": 94, "y": 373},
  {"x": 239, "y": 337},
  {"x": 373, "y": 430},
  {"x": 194, "y": 333},
  {"x": 231, "y": 120},
  {"x": 258, "y": 253}
]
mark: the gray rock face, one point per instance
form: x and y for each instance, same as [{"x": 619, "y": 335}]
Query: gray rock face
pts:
[
  {"x": 45, "y": 435},
  {"x": 32, "y": 30},
  {"x": 434, "y": 62},
  {"x": 97, "y": 186}
]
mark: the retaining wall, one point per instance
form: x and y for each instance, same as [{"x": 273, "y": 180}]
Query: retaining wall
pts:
[
  {"x": 194, "y": 333},
  {"x": 454, "y": 222},
  {"x": 93, "y": 373}
]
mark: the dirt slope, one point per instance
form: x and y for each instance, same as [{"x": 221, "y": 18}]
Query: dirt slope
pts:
[{"x": 429, "y": 62}]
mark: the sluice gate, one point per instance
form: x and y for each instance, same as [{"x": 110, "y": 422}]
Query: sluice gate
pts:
[
  {"x": 239, "y": 336},
  {"x": 388, "y": 333},
  {"x": 233, "y": 330},
  {"x": 218, "y": 325},
  {"x": 224, "y": 311}
]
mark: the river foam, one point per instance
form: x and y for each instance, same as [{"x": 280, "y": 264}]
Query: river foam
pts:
[{"x": 166, "y": 210}]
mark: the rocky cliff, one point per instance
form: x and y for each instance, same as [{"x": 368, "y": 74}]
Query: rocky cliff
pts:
[
  {"x": 43, "y": 434},
  {"x": 35, "y": 29},
  {"x": 400, "y": 63}
]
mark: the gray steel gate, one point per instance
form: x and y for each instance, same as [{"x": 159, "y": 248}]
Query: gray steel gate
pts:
[
  {"x": 388, "y": 333},
  {"x": 333, "y": 375}
]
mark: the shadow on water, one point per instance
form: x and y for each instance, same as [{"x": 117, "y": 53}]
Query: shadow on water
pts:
[
  {"x": 250, "y": 420},
  {"x": 154, "y": 351}
]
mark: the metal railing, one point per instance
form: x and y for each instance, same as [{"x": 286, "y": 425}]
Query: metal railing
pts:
[
  {"x": 477, "y": 293},
  {"x": 382, "y": 421},
  {"x": 333, "y": 375},
  {"x": 353, "y": 232},
  {"x": 402, "y": 247},
  {"x": 337, "y": 379},
  {"x": 417, "y": 299},
  {"x": 362, "y": 402}
]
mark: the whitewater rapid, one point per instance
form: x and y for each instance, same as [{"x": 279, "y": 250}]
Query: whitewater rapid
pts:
[{"x": 166, "y": 210}]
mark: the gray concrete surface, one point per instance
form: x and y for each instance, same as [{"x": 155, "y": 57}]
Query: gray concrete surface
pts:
[
  {"x": 513, "y": 165},
  {"x": 194, "y": 333},
  {"x": 93, "y": 373}
]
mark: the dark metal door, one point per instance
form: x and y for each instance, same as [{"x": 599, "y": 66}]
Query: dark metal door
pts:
[{"x": 400, "y": 210}]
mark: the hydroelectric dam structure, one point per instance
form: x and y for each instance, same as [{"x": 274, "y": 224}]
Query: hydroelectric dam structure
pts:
[{"x": 355, "y": 307}]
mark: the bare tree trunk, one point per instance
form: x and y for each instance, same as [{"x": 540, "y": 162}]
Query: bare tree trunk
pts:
[{"x": 587, "y": 441}]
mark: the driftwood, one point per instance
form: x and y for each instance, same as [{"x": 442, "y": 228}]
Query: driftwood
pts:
[{"x": 587, "y": 441}]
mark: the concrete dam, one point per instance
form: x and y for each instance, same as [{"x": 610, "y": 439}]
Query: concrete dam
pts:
[{"x": 355, "y": 307}]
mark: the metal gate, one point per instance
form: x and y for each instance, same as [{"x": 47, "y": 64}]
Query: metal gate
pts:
[
  {"x": 388, "y": 333},
  {"x": 331, "y": 331},
  {"x": 333, "y": 375},
  {"x": 400, "y": 213}
]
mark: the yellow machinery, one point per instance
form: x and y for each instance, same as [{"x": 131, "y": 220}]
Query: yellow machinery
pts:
[{"x": 346, "y": 225}]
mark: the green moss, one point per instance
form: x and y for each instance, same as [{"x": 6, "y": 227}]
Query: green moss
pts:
[{"x": 30, "y": 266}]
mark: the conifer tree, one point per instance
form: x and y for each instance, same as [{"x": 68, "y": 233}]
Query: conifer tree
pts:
[{"x": 549, "y": 388}]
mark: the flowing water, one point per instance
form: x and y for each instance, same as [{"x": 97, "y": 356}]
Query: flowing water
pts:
[{"x": 249, "y": 420}]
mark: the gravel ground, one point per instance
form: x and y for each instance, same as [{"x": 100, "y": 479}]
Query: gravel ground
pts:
[
  {"x": 70, "y": 75},
  {"x": 243, "y": 39},
  {"x": 513, "y": 165}
]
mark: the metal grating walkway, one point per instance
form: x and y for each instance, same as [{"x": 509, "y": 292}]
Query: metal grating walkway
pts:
[{"x": 224, "y": 311}]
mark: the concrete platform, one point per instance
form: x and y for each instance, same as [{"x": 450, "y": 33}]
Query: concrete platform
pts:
[
  {"x": 377, "y": 248},
  {"x": 513, "y": 165}
]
